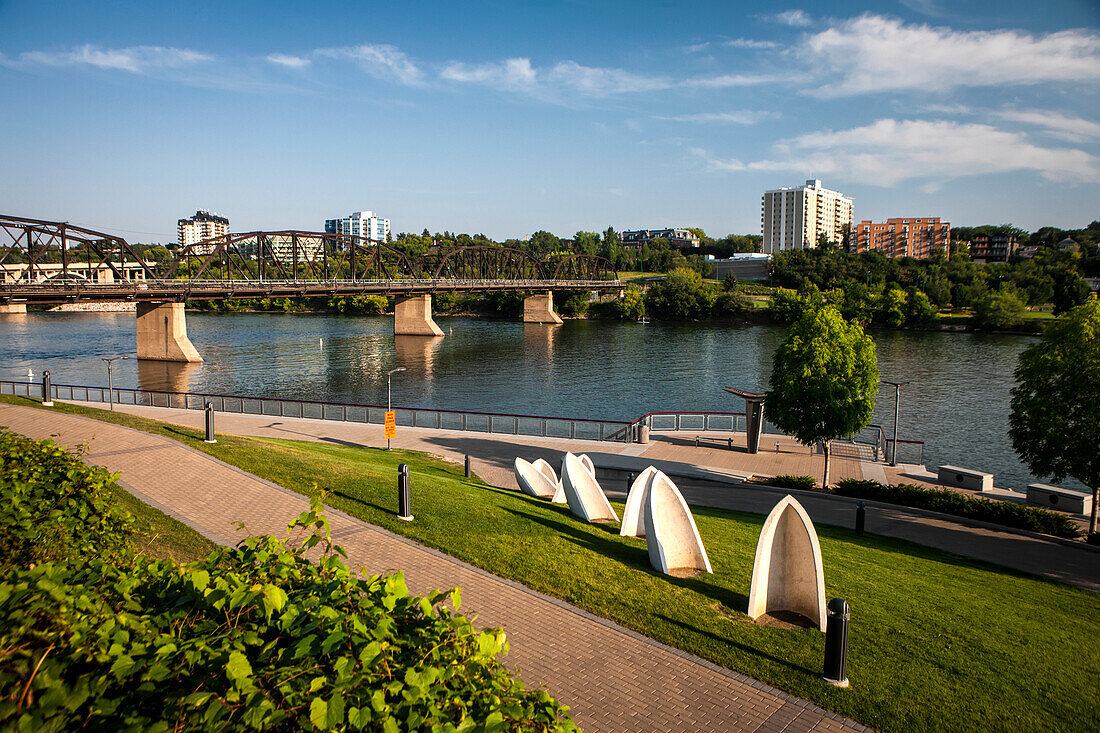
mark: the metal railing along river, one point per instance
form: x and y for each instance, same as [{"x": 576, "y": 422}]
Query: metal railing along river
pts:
[{"x": 620, "y": 431}]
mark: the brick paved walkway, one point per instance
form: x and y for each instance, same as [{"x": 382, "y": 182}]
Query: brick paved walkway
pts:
[{"x": 613, "y": 678}]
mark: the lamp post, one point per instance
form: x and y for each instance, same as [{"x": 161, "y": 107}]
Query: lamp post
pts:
[
  {"x": 389, "y": 402},
  {"x": 110, "y": 380},
  {"x": 897, "y": 401}
]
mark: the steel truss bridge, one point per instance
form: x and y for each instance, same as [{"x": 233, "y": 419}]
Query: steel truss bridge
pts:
[{"x": 56, "y": 262}]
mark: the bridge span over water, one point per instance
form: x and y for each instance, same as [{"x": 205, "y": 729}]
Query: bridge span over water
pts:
[{"x": 45, "y": 262}]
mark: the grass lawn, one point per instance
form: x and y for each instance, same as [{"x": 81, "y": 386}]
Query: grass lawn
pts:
[
  {"x": 937, "y": 641},
  {"x": 160, "y": 536}
]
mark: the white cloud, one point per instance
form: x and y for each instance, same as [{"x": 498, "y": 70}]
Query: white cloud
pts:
[
  {"x": 1066, "y": 127},
  {"x": 135, "y": 59},
  {"x": 793, "y": 18},
  {"x": 291, "y": 62},
  {"x": 873, "y": 53},
  {"x": 723, "y": 81},
  {"x": 888, "y": 152},
  {"x": 697, "y": 47},
  {"x": 749, "y": 43},
  {"x": 738, "y": 117},
  {"x": 382, "y": 61},
  {"x": 567, "y": 76}
]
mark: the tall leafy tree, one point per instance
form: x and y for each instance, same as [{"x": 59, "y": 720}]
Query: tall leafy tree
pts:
[
  {"x": 1055, "y": 419},
  {"x": 824, "y": 380}
]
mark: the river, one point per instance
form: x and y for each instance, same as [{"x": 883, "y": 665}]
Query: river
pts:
[{"x": 957, "y": 399}]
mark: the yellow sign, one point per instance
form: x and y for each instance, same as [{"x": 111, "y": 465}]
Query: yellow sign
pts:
[{"x": 391, "y": 425}]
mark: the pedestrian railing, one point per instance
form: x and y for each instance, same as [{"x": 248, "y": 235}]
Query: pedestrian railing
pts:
[{"x": 618, "y": 431}]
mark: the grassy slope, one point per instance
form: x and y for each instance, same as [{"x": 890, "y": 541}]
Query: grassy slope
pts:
[
  {"x": 937, "y": 641},
  {"x": 160, "y": 536}
]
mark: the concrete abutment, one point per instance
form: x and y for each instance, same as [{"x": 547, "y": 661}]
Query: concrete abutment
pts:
[
  {"x": 412, "y": 316},
  {"x": 162, "y": 333},
  {"x": 12, "y": 308},
  {"x": 539, "y": 308}
]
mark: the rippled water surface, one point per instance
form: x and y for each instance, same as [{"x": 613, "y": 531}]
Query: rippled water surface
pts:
[{"x": 957, "y": 399}]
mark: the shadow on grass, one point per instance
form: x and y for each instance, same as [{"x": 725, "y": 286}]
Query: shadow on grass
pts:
[
  {"x": 738, "y": 645},
  {"x": 632, "y": 556}
]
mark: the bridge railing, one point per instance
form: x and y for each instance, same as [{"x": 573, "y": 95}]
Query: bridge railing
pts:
[{"x": 471, "y": 421}]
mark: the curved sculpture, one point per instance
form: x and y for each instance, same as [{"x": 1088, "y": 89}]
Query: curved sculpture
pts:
[
  {"x": 672, "y": 538},
  {"x": 634, "y": 512},
  {"x": 583, "y": 494},
  {"x": 532, "y": 482},
  {"x": 588, "y": 463},
  {"x": 548, "y": 471},
  {"x": 787, "y": 574}
]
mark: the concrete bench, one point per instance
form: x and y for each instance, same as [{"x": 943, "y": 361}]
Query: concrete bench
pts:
[
  {"x": 1055, "y": 497},
  {"x": 965, "y": 478},
  {"x": 779, "y": 445}
]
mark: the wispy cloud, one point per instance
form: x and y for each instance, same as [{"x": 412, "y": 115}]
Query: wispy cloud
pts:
[
  {"x": 519, "y": 74},
  {"x": 381, "y": 60},
  {"x": 873, "y": 53},
  {"x": 888, "y": 152},
  {"x": 723, "y": 81},
  {"x": 697, "y": 47},
  {"x": 749, "y": 43},
  {"x": 291, "y": 62},
  {"x": 793, "y": 18},
  {"x": 1056, "y": 124},
  {"x": 737, "y": 117},
  {"x": 134, "y": 59}
]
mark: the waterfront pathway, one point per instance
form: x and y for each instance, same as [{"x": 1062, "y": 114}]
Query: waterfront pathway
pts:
[
  {"x": 614, "y": 679},
  {"x": 708, "y": 475}
]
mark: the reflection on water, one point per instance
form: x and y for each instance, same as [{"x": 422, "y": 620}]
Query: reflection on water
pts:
[{"x": 957, "y": 399}]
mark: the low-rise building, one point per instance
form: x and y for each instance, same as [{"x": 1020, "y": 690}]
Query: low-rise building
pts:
[
  {"x": 680, "y": 238},
  {"x": 743, "y": 266},
  {"x": 203, "y": 225},
  {"x": 993, "y": 247},
  {"x": 916, "y": 237}
]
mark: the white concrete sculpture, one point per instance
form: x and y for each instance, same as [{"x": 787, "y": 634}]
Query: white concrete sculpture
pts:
[
  {"x": 634, "y": 512},
  {"x": 588, "y": 463},
  {"x": 532, "y": 482},
  {"x": 583, "y": 493},
  {"x": 671, "y": 536},
  {"x": 548, "y": 471},
  {"x": 787, "y": 574}
]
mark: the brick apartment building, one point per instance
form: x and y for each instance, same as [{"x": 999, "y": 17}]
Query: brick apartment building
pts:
[
  {"x": 680, "y": 238},
  {"x": 917, "y": 237}
]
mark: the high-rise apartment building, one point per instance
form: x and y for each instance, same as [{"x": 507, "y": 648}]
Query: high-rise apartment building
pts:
[
  {"x": 360, "y": 224},
  {"x": 917, "y": 237},
  {"x": 796, "y": 217},
  {"x": 203, "y": 225}
]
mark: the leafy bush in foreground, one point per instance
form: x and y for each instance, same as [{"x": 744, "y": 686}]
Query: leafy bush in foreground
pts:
[
  {"x": 259, "y": 636},
  {"x": 1007, "y": 513},
  {"x": 805, "y": 483}
]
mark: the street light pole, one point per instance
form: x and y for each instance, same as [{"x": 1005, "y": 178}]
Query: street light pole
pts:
[
  {"x": 897, "y": 402},
  {"x": 110, "y": 380},
  {"x": 389, "y": 402}
]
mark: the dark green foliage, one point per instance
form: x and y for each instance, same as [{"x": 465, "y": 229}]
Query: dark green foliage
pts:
[
  {"x": 1003, "y": 309},
  {"x": 1055, "y": 420},
  {"x": 788, "y": 306},
  {"x": 253, "y": 637},
  {"x": 1009, "y": 514},
  {"x": 786, "y": 481},
  {"x": 572, "y": 303},
  {"x": 359, "y": 305},
  {"x": 729, "y": 304},
  {"x": 680, "y": 296},
  {"x": 631, "y": 307}
]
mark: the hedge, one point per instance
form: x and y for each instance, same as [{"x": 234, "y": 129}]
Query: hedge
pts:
[
  {"x": 1006, "y": 513},
  {"x": 805, "y": 483},
  {"x": 259, "y": 636}
]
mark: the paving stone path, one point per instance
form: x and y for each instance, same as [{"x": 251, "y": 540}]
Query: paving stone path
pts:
[{"x": 613, "y": 679}]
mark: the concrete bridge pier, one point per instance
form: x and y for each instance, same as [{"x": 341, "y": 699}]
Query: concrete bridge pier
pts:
[
  {"x": 412, "y": 316},
  {"x": 11, "y": 308},
  {"x": 162, "y": 333},
  {"x": 539, "y": 308}
]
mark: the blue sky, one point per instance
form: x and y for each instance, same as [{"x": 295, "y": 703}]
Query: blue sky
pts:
[{"x": 505, "y": 118}]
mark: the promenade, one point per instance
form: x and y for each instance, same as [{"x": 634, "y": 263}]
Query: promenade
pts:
[
  {"x": 708, "y": 475},
  {"x": 614, "y": 679}
]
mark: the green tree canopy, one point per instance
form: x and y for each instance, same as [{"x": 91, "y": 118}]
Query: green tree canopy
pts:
[
  {"x": 824, "y": 379},
  {"x": 1055, "y": 419}
]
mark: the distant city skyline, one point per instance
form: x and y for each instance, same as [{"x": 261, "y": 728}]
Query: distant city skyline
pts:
[{"x": 508, "y": 119}]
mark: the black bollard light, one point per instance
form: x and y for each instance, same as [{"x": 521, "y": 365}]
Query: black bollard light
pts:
[
  {"x": 696, "y": 441},
  {"x": 210, "y": 423},
  {"x": 836, "y": 642},
  {"x": 404, "y": 495},
  {"x": 861, "y": 517},
  {"x": 630, "y": 480},
  {"x": 467, "y": 465},
  {"x": 47, "y": 390}
]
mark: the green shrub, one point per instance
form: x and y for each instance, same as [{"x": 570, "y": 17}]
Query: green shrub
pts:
[
  {"x": 1006, "y": 513},
  {"x": 53, "y": 507},
  {"x": 258, "y": 636},
  {"x": 804, "y": 483}
]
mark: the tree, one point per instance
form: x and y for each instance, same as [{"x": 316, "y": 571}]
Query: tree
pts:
[
  {"x": 1055, "y": 423},
  {"x": 1003, "y": 309},
  {"x": 824, "y": 380}
]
